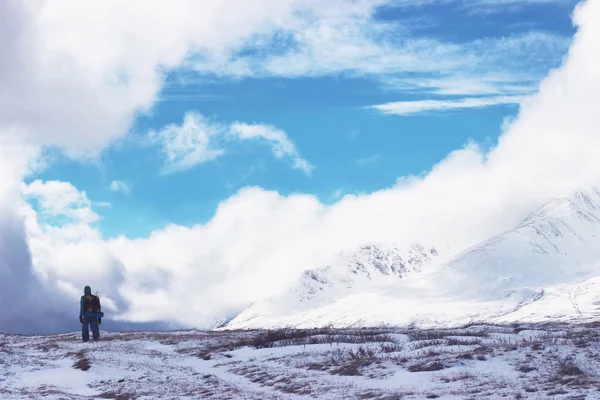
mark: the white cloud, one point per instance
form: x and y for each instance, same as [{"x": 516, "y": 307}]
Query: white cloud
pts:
[
  {"x": 482, "y": 5},
  {"x": 187, "y": 145},
  {"x": 355, "y": 44},
  {"x": 100, "y": 64},
  {"x": 120, "y": 186},
  {"x": 66, "y": 257},
  {"x": 60, "y": 199},
  {"x": 199, "y": 140},
  {"x": 22, "y": 292},
  {"x": 489, "y": 84},
  {"x": 492, "y": 6},
  {"x": 280, "y": 143},
  {"x": 368, "y": 160},
  {"x": 421, "y": 106}
]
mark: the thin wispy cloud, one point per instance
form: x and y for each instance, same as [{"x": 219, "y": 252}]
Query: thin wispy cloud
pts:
[
  {"x": 120, "y": 186},
  {"x": 357, "y": 45},
  {"x": 368, "y": 160},
  {"x": 199, "y": 140},
  {"x": 189, "y": 144},
  {"x": 280, "y": 143},
  {"x": 484, "y": 85},
  {"x": 497, "y": 6},
  {"x": 424, "y": 106},
  {"x": 480, "y": 5}
]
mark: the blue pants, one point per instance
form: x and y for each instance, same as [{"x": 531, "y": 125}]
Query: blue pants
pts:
[{"x": 93, "y": 323}]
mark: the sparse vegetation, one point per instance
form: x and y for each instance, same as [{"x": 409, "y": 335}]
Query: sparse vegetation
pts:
[
  {"x": 279, "y": 364},
  {"x": 463, "y": 376},
  {"x": 567, "y": 367},
  {"x": 525, "y": 369},
  {"x": 292, "y": 337},
  {"x": 82, "y": 362},
  {"x": 426, "y": 366}
]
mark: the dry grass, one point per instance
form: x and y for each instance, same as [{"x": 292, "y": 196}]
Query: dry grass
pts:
[
  {"x": 117, "y": 396},
  {"x": 463, "y": 376},
  {"x": 294, "y": 337},
  {"x": 567, "y": 368},
  {"x": 525, "y": 368},
  {"x": 373, "y": 353},
  {"x": 287, "y": 384},
  {"x": 426, "y": 366},
  {"x": 433, "y": 334},
  {"x": 421, "y": 344},
  {"x": 391, "y": 347},
  {"x": 82, "y": 362},
  {"x": 48, "y": 346}
]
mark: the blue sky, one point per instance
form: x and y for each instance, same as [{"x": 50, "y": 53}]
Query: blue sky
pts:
[{"x": 325, "y": 112}]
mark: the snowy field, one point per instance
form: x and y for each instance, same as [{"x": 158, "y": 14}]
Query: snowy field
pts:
[{"x": 477, "y": 362}]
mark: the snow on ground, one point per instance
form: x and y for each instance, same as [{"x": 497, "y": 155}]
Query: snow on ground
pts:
[{"x": 540, "y": 361}]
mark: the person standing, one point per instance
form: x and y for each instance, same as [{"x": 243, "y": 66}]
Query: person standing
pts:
[{"x": 89, "y": 307}]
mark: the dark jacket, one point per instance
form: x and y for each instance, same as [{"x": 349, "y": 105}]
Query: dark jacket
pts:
[{"x": 87, "y": 291}]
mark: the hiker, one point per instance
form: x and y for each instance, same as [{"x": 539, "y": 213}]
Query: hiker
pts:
[{"x": 90, "y": 314}]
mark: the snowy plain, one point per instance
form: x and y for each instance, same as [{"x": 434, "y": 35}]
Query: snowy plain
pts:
[{"x": 519, "y": 361}]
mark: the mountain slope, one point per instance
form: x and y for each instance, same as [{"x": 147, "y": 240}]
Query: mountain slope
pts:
[
  {"x": 547, "y": 267},
  {"x": 369, "y": 267}
]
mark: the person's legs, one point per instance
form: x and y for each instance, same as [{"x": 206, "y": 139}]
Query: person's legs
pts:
[
  {"x": 85, "y": 332},
  {"x": 95, "y": 328}
]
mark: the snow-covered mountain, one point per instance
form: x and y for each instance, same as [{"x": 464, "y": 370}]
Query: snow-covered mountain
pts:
[
  {"x": 369, "y": 267},
  {"x": 366, "y": 267},
  {"x": 546, "y": 267}
]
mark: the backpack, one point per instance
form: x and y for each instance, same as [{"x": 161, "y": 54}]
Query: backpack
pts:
[{"x": 92, "y": 304}]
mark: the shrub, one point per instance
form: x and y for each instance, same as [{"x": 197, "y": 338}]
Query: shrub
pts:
[
  {"x": 426, "y": 367},
  {"x": 82, "y": 362}
]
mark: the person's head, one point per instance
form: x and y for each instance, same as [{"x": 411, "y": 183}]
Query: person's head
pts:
[{"x": 87, "y": 290}]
